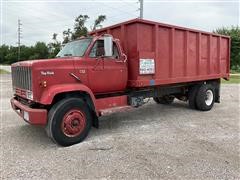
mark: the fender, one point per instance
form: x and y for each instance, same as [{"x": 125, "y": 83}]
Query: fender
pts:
[{"x": 51, "y": 92}]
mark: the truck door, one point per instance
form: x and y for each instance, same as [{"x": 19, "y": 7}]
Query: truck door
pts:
[{"x": 106, "y": 74}]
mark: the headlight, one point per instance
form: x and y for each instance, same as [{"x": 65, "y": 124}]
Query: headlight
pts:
[{"x": 29, "y": 95}]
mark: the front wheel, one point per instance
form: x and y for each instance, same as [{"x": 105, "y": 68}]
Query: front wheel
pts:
[{"x": 69, "y": 121}]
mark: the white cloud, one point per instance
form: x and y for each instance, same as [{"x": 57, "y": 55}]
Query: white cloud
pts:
[{"x": 41, "y": 19}]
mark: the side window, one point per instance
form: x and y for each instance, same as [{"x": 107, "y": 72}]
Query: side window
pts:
[{"x": 99, "y": 45}]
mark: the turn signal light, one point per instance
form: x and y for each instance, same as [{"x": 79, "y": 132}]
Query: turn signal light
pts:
[{"x": 43, "y": 84}]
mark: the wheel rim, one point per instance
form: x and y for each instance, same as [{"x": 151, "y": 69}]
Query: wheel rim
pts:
[
  {"x": 209, "y": 97},
  {"x": 74, "y": 122}
]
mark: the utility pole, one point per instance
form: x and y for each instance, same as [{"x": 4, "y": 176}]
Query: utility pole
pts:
[
  {"x": 19, "y": 38},
  {"x": 141, "y": 9}
]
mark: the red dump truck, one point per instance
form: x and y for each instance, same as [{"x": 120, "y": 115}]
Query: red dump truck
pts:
[{"x": 115, "y": 68}]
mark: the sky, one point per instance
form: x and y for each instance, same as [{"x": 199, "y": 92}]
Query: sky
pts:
[{"x": 40, "y": 19}]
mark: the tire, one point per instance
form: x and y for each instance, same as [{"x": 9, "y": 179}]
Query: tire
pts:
[
  {"x": 205, "y": 97},
  {"x": 164, "y": 100},
  {"x": 69, "y": 121},
  {"x": 192, "y": 96}
]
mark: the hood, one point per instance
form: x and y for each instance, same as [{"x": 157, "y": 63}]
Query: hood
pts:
[
  {"x": 50, "y": 62},
  {"x": 30, "y": 62}
]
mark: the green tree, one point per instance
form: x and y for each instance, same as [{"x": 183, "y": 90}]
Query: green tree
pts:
[
  {"x": 4, "y": 50},
  {"x": 97, "y": 23},
  {"x": 54, "y": 47},
  {"x": 79, "y": 27},
  {"x": 12, "y": 55},
  {"x": 26, "y": 52},
  {"x": 9, "y": 54},
  {"x": 67, "y": 36},
  {"x": 40, "y": 51},
  {"x": 234, "y": 33}
]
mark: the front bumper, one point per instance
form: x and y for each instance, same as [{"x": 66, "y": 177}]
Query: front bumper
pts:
[{"x": 32, "y": 116}]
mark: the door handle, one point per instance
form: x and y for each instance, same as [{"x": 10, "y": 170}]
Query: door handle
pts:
[{"x": 76, "y": 77}]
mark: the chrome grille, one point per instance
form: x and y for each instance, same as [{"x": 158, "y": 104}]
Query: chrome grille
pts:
[{"x": 22, "y": 77}]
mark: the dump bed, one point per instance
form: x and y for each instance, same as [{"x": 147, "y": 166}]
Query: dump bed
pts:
[{"x": 161, "y": 54}]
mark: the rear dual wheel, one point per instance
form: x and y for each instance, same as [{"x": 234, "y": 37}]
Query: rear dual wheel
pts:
[
  {"x": 69, "y": 121},
  {"x": 201, "y": 97}
]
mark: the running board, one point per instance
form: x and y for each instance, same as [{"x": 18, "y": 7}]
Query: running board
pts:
[{"x": 108, "y": 111}]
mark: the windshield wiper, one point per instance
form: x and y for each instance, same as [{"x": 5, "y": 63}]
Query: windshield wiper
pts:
[{"x": 67, "y": 54}]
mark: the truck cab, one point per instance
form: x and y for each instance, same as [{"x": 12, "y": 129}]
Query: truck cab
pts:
[{"x": 93, "y": 66}]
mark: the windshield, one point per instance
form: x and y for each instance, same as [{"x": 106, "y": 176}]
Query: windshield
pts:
[{"x": 75, "y": 48}]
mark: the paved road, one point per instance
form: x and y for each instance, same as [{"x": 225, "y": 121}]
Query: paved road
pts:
[{"x": 154, "y": 141}]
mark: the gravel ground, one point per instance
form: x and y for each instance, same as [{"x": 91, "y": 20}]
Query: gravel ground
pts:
[{"x": 154, "y": 141}]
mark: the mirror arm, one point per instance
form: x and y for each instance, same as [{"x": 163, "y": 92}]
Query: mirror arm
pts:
[{"x": 125, "y": 57}]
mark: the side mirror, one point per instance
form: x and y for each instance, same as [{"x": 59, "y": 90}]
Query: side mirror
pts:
[{"x": 108, "y": 45}]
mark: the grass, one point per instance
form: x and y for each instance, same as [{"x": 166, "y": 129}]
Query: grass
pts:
[
  {"x": 2, "y": 71},
  {"x": 234, "y": 79},
  {"x": 235, "y": 71}
]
